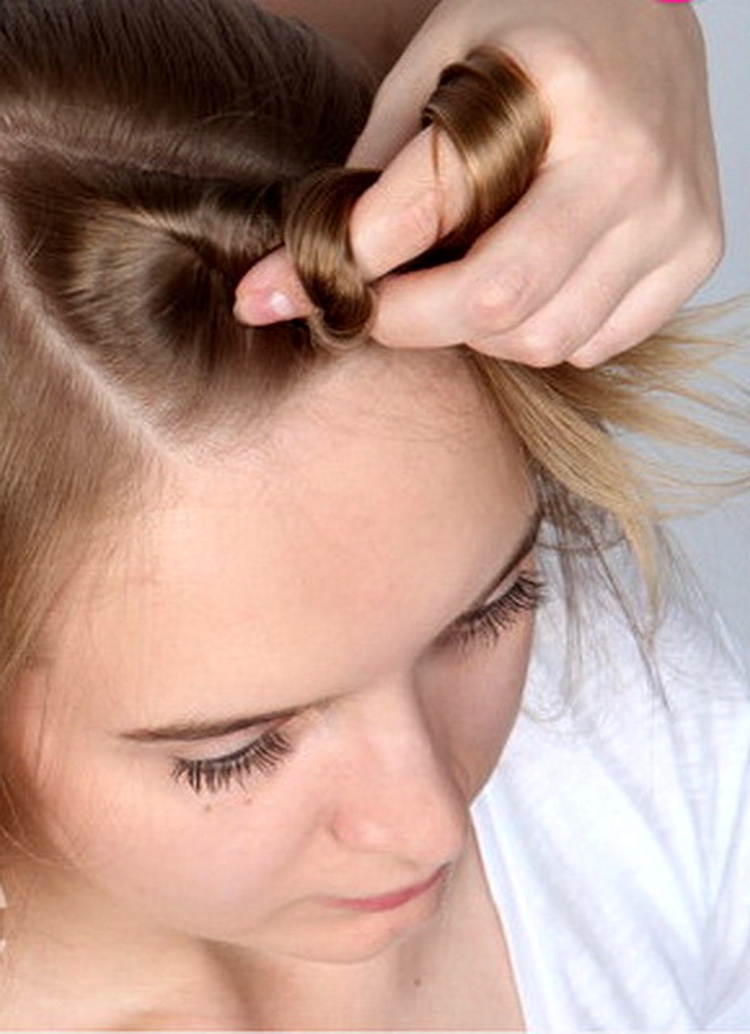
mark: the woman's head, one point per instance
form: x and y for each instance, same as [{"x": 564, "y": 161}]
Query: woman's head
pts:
[
  {"x": 318, "y": 597},
  {"x": 203, "y": 522}
]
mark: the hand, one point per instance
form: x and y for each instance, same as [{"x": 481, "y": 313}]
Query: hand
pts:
[{"x": 619, "y": 228}]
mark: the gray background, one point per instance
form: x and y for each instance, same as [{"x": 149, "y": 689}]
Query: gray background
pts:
[{"x": 718, "y": 544}]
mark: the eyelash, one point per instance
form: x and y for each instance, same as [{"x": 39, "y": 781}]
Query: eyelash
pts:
[
  {"x": 214, "y": 774},
  {"x": 485, "y": 626},
  {"x": 482, "y": 628}
]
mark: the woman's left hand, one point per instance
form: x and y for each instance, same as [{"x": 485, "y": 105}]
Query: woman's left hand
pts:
[{"x": 619, "y": 228}]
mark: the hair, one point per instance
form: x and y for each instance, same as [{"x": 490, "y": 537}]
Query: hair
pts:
[{"x": 150, "y": 152}]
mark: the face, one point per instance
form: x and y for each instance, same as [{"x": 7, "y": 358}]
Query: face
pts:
[{"x": 265, "y": 714}]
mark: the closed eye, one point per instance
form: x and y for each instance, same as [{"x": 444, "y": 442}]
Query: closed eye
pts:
[
  {"x": 485, "y": 625},
  {"x": 261, "y": 755}
]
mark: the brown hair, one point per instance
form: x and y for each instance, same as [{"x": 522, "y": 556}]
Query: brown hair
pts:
[{"x": 150, "y": 152}]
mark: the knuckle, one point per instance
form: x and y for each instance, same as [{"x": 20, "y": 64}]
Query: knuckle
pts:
[
  {"x": 589, "y": 357},
  {"x": 696, "y": 253},
  {"x": 499, "y": 304},
  {"x": 546, "y": 349},
  {"x": 697, "y": 226},
  {"x": 550, "y": 341},
  {"x": 578, "y": 71},
  {"x": 570, "y": 62},
  {"x": 710, "y": 247},
  {"x": 421, "y": 220},
  {"x": 639, "y": 163},
  {"x": 535, "y": 348}
]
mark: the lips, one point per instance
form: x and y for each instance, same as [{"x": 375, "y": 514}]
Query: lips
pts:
[{"x": 395, "y": 899}]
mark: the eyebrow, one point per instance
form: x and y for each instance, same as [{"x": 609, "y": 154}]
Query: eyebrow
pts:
[{"x": 191, "y": 731}]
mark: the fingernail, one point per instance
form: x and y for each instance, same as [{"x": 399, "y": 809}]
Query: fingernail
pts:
[
  {"x": 280, "y": 304},
  {"x": 261, "y": 307}
]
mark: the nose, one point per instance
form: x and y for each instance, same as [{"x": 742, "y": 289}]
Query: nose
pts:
[{"x": 396, "y": 793}]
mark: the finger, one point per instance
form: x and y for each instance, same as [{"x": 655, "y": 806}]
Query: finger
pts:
[
  {"x": 610, "y": 303},
  {"x": 512, "y": 271},
  {"x": 572, "y": 316},
  {"x": 643, "y": 311},
  {"x": 271, "y": 291},
  {"x": 421, "y": 195},
  {"x": 556, "y": 333}
]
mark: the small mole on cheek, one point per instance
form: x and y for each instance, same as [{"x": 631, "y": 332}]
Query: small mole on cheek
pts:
[
  {"x": 417, "y": 982},
  {"x": 208, "y": 807}
]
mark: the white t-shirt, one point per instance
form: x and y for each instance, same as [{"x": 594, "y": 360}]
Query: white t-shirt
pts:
[{"x": 615, "y": 835}]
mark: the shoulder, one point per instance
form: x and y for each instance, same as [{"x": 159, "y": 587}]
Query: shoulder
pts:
[
  {"x": 620, "y": 811},
  {"x": 655, "y": 733}
]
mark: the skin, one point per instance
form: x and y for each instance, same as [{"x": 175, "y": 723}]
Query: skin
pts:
[
  {"x": 380, "y": 32},
  {"x": 620, "y": 227},
  {"x": 315, "y": 568}
]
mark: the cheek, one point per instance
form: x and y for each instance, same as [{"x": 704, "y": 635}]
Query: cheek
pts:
[
  {"x": 473, "y": 701},
  {"x": 211, "y": 866},
  {"x": 116, "y": 820}
]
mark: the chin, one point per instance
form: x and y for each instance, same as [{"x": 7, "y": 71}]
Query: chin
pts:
[
  {"x": 360, "y": 948},
  {"x": 357, "y": 938}
]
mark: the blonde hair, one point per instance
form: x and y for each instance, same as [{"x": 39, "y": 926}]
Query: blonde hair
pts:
[{"x": 150, "y": 152}]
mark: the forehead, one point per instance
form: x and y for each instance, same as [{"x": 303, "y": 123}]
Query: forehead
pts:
[{"x": 312, "y": 559}]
